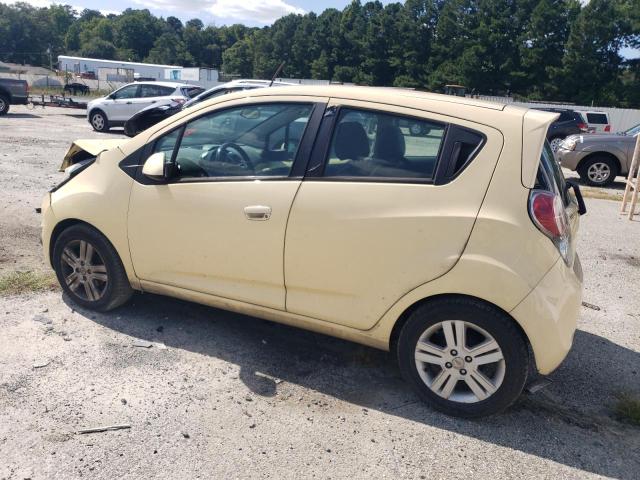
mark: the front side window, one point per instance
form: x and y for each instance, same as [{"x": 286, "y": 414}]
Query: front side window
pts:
[
  {"x": 248, "y": 141},
  {"x": 382, "y": 145},
  {"x": 129, "y": 91}
]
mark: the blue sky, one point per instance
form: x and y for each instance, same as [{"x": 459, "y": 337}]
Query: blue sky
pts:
[{"x": 221, "y": 12}]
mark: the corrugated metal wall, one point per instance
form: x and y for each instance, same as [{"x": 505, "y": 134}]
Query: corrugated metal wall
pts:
[{"x": 620, "y": 118}]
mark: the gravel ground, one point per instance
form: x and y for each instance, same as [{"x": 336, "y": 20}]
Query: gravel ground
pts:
[{"x": 220, "y": 395}]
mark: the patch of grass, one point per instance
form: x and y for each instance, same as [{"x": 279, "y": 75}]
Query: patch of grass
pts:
[
  {"x": 628, "y": 408},
  {"x": 15, "y": 283}
]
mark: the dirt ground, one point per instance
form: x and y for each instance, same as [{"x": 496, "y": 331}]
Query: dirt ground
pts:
[{"x": 220, "y": 395}]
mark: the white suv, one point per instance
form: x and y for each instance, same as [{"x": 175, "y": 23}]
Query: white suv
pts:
[{"x": 120, "y": 105}]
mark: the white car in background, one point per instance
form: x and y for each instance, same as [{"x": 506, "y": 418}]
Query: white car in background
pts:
[
  {"x": 597, "y": 122},
  {"x": 119, "y": 106}
]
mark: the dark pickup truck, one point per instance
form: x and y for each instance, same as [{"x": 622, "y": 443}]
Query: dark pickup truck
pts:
[{"x": 12, "y": 92}]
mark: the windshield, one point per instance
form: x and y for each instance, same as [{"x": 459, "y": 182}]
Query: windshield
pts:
[{"x": 633, "y": 131}]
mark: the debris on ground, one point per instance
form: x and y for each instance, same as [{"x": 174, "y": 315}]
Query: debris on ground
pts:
[
  {"x": 142, "y": 344},
  {"x": 41, "y": 364},
  {"x": 590, "y": 305},
  {"x": 106, "y": 428}
]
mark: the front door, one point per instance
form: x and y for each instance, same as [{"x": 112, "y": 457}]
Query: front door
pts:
[
  {"x": 389, "y": 202},
  {"x": 218, "y": 225}
]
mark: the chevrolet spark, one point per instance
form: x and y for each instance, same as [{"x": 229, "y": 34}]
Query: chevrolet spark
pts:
[{"x": 440, "y": 228}]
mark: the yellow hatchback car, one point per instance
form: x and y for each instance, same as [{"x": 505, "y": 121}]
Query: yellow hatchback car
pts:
[{"x": 438, "y": 227}]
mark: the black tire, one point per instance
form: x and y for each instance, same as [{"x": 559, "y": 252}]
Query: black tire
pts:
[
  {"x": 591, "y": 178},
  {"x": 490, "y": 319},
  {"x": 4, "y": 104},
  {"x": 99, "y": 121},
  {"x": 115, "y": 291}
]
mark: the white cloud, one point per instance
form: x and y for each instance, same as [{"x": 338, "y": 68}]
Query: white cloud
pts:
[
  {"x": 47, "y": 3},
  {"x": 246, "y": 11}
]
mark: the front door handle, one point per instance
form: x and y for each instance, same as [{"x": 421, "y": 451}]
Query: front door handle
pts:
[{"x": 257, "y": 212}]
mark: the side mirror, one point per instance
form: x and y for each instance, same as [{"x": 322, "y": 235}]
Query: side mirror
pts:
[{"x": 154, "y": 167}]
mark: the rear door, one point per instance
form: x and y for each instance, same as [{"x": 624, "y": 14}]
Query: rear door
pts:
[{"x": 389, "y": 201}]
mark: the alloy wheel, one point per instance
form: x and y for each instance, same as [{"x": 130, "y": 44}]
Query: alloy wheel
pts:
[
  {"x": 599, "y": 172},
  {"x": 555, "y": 144},
  {"x": 97, "y": 121},
  {"x": 84, "y": 270},
  {"x": 460, "y": 361}
]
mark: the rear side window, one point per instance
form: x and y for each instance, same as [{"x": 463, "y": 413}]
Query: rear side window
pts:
[
  {"x": 147, "y": 91},
  {"x": 598, "y": 118},
  {"x": 382, "y": 145},
  {"x": 567, "y": 116}
]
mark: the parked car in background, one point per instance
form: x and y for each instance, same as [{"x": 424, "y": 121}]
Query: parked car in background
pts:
[
  {"x": 87, "y": 75},
  {"x": 597, "y": 122},
  {"x": 12, "y": 92},
  {"x": 313, "y": 207},
  {"x": 119, "y": 106},
  {"x": 598, "y": 159},
  {"x": 568, "y": 123},
  {"x": 153, "y": 114}
]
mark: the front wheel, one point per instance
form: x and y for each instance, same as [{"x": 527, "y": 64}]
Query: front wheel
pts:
[
  {"x": 4, "y": 104},
  {"x": 598, "y": 171},
  {"x": 99, "y": 121},
  {"x": 555, "y": 143},
  {"x": 464, "y": 357},
  {"x": 89, "y": 269}
]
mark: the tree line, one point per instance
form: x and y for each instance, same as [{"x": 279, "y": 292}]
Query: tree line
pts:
[{"x": 557, "y": 50}]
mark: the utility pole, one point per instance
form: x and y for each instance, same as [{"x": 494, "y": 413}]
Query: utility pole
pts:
[{"x": 50, "y": 61}]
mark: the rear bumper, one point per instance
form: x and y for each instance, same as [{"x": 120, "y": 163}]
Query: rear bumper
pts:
[{"x": 549, "y": 314}]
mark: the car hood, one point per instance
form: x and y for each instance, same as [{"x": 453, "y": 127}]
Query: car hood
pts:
[
  {"x": 601, "y": 138},
  {"x": 82, "y": 149}
]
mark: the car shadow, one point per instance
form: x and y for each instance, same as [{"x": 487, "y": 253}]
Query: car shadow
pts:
[
  {"x": 22, "y": 115},
  {"x": 552, "y": 424}
]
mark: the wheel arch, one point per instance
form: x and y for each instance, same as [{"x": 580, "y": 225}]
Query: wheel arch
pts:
[
  {"x": 404, "y": 317},
  {"x": 601, "y": 153},
  {"x": 70, "y": 222}
]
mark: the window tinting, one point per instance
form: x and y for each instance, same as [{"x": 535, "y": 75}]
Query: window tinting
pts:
[
  {"x": 252, "y": 140},
  {"x": 147, "y": 91},
  {"x": 382, "y": 145},
  {"x": 127, "y": 92},
  {"x": 599, "y": 118},
  {"x": 550, "y": 176}
]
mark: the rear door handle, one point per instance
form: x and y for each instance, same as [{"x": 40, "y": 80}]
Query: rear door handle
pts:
[{"x": 257, "y": 212}]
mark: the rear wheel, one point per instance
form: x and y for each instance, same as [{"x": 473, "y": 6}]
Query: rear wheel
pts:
[
  {"x": 4, "y": 104},
  {"x": 598, "y": 171},
  {"x": 89, "y": 269},
  {"x": 99, "y": 121},
  {"x": 463, "y": 357}
]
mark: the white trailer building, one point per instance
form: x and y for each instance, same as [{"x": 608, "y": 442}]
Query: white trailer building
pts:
[{"x": 123, "y": 72}]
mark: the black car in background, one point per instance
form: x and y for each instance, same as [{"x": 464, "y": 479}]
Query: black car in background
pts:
[{"x": 570, "y": 122}]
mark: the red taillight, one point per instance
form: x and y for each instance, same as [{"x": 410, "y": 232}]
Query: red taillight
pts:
[
  {"x": 179, "y": 100},
  {"x": 583, "y": 127},
  {"x": 607, "y": 128},
  {"x": 547, "y": 213}
]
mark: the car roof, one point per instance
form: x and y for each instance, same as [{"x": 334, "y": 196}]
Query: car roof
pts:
[
  {"x": 389, "y": 95},
  {"x": 163, "y": 84}
]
